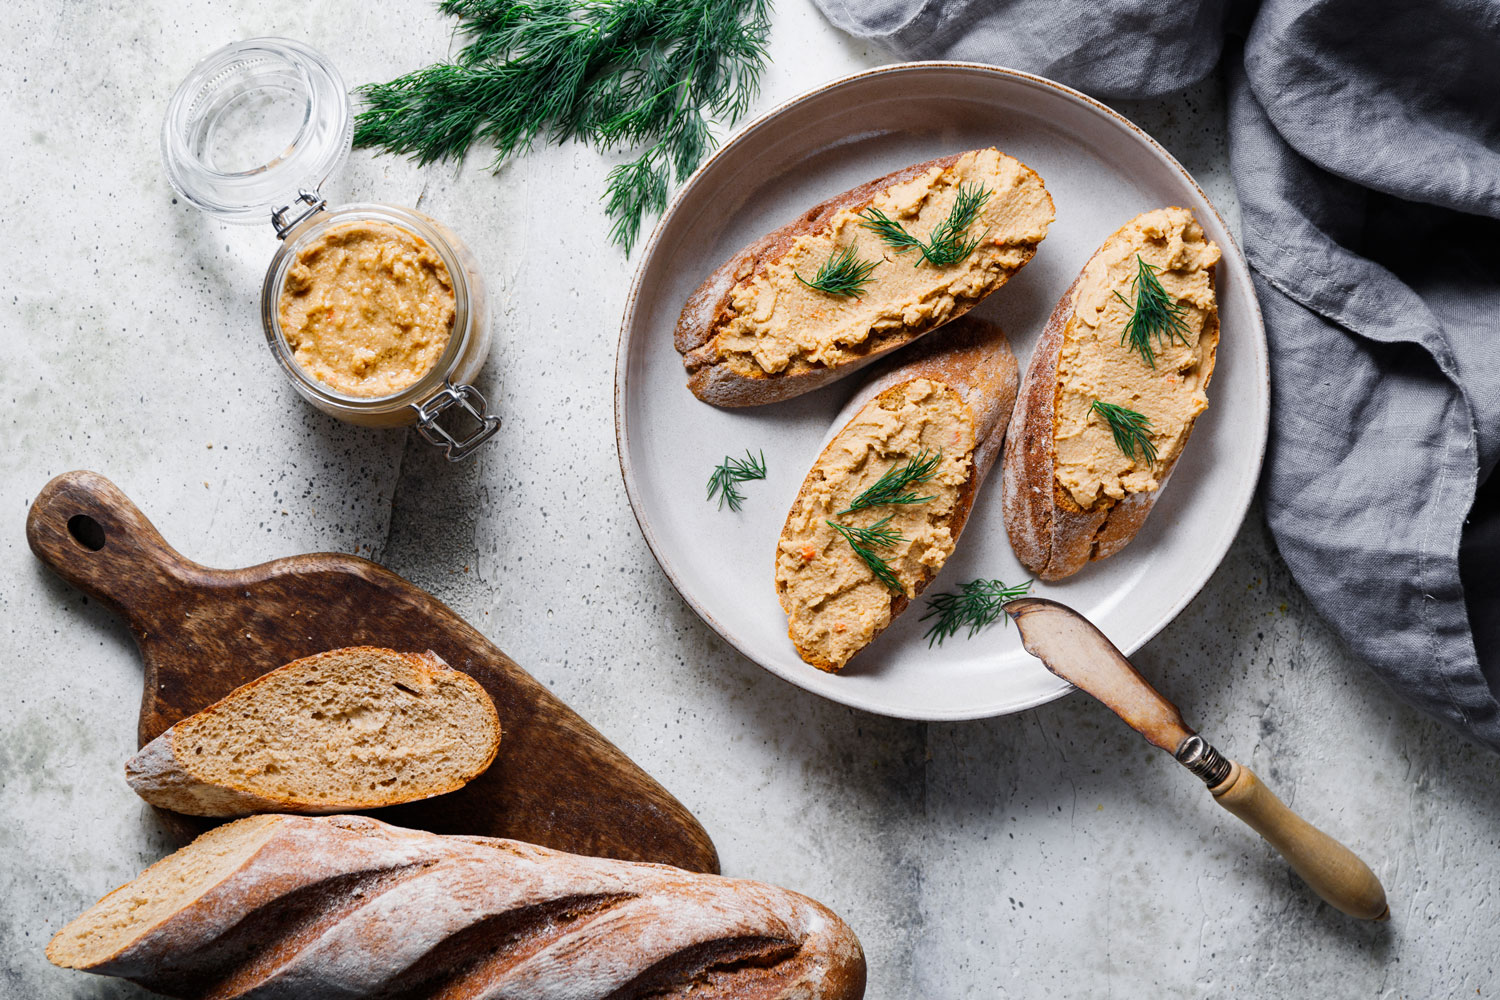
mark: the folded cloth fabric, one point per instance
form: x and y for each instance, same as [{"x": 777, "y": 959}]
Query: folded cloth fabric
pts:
[{"x": 1364, "y": 139}]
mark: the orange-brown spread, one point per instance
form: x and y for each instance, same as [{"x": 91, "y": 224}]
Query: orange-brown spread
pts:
[{"x": 367, "y": 308}]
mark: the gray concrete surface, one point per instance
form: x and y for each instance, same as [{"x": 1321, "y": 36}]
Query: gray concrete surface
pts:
[{"x": 1048, "y": 854}]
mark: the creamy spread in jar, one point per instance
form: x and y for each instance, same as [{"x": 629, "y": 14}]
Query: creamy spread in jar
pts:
[{"x": 367, "y": 308}]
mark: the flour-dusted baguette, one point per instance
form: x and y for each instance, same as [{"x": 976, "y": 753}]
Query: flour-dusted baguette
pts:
[
  {"x": 947, "y": 404},
  {"x": 353, "y": 728},
  {"x": 753, "y": 333},
  {"x": 1070, "y": 493},
  {"x": 298, "y": 908}
]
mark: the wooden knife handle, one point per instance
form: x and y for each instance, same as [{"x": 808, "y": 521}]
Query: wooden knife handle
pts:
[
  {"x": 1334, "y": 872},
  {"x": 88, "y": 532}
]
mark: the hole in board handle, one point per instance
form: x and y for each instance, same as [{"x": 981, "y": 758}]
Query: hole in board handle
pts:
[{"x": 86, "y": 532}]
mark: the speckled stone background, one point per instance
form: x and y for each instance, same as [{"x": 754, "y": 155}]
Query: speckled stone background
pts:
[{"x": 1048, "y": 854}]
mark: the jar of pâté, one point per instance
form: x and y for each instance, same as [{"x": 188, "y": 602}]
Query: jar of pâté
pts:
[{"x": 376, "y": 313}]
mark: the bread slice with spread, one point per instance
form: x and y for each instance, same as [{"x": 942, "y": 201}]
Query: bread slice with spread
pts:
[
  {"x": 353, "y": 728},
  {"x": 898, "y": 481},
  {"x": 1111, "y": 393},
  {"x": 920, "y": 247}
]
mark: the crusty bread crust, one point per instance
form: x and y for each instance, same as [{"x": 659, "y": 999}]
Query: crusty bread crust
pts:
[
  {"x": 347, "y": 906},
  {"x": 973, "y": 358},
  {"x": 714, "y": 380},
  {"x": 1050, "y": 533}
]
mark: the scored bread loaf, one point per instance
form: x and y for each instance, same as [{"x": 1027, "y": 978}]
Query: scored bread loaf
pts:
[
  {"x": 754, "y": 332},
  {"x": 1070, "y": 493},
  {"x": 297, "y": 907},
  {"x": 947, "y": 403},
  {"x": 354, "y": 728}
]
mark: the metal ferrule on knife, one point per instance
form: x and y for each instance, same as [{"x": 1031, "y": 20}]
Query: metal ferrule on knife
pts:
[{"x": 1197, "y": 755}]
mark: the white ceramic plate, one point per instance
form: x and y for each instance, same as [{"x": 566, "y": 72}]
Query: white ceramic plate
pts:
[{"x": 1101, "y": 171}]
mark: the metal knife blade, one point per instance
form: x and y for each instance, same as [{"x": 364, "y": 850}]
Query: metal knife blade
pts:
[{"x": 1071, "y": 647}]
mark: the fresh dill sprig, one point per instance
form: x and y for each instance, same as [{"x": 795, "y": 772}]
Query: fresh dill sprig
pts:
[
  {"x": 875, "y": 534},
  {"x": 946, "y": 244},
  {"x": 864, "y": 541},
  {"x": 894, "y": 486},
  {"x": 977, "y": 604},
  {"x": 640, "y": 75},
  {"x": 1131, "y": 430},
  {"x": 842, "y": 274},
  {"x": 890, "y": 232},
  {"x": 1154, "y": 315},
  {"x": 731, "y": 471}
]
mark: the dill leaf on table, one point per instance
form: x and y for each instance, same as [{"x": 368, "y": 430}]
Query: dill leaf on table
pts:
[{"x": 646, "y": 76}]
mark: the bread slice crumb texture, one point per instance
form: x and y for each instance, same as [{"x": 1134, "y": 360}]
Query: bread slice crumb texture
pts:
[
  {"x": 1097, "y": 361},
  {"x": 778, "y": 324},
  {"x": 348, "y": 729},
  {"x": 120, "y": 918},
  {"x": 835, "y": 604}
]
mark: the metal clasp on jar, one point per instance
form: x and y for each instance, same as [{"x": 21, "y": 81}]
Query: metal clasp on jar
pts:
[
  {"x": 312, "y": 199},
  {"x": 470, "y": 401}
]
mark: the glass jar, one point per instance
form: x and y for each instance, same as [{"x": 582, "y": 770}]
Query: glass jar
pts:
[{"x": 252, "y": 135}]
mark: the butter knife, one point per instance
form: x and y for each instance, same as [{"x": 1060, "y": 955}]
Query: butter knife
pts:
[{"x": 1071, "y": 647}]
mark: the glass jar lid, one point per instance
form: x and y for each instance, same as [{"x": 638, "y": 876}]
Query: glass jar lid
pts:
[{"x": 257, "y": 126}]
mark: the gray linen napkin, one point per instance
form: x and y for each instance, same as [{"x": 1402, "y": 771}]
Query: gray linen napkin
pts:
[{"x": 1365, "y": 143}]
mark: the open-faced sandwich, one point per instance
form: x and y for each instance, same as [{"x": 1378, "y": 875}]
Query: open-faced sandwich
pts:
[
  {"x": 1114, "y": 385},
  {"x": 860, "y": 275},
  {"x": 885, "y": 502}
]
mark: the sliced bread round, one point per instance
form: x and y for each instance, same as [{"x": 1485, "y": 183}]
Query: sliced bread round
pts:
[{"x": 354, "y": 728}]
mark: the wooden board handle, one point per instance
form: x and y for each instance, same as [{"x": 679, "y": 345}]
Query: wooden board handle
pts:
[
  {"x": 91, "y": 535},
  {"x": 1334, "y": 872}
]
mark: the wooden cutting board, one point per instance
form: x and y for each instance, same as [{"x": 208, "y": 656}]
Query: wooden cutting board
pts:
[{"x": 203, "y": 632}]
